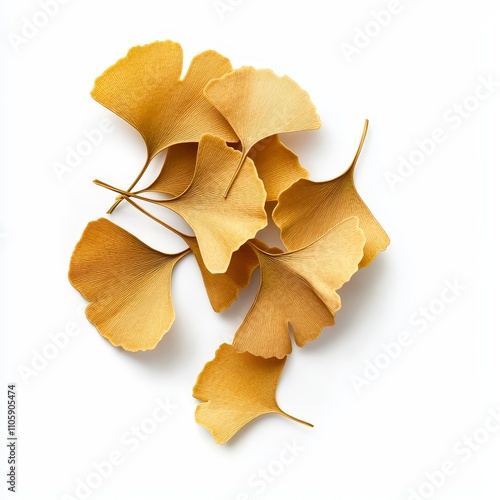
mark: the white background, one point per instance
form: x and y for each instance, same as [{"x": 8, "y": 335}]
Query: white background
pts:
[{"x": 377, "y": 444}]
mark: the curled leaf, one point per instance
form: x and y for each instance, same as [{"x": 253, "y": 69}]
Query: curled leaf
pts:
[
  {"x": 126, "y": 283},
  {"x": 257, "y": 103},
  {"x": 277, "y": 166},
  {"x": 221, "y": 225},
  {"x": 308, "y": 209},
  {"x": 237, "y": 388},
  {"x": 299, "y": 288}
]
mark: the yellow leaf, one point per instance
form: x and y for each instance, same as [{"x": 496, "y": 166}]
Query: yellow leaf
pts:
[
  {"x": 257, "y": 104},
  {"x": 144, "y": 88},
  {"x": 237, "y": 388},
  {"x": 177, "y": 171},
  {"x": 277, "y": 166},
  {"x": 221, "y": 225},
  {"x": 308, "y": 209},
  {"x": 127, "y": 284},
  {"x": 223, "y": 288},
  {"x": 298, "y": 288}
]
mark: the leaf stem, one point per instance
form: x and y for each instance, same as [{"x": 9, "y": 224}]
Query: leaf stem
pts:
[
  {"x": 244, "y": 154},
  {"x": 125, "y": 194},
  {"x": 120, "y": 198},
  {"x": 360, "y": 147},
  {"x": 159, "y": 221},
  {"x": 295, "y": 419}
]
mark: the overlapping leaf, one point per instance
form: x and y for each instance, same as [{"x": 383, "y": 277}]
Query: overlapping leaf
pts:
[
  {"x": 257, "y": 103},
  {"x": 308, "y": 209},
  {"x": 237, "y": 388},
  {"x": 277, "y": 166},
  {"x": 223, "y": 288},
  {"x": 177, "y": 171},
  {"x": 299, "y": 288},
  {"x": 144, "y": 88},
  {"x": 221, "y": 225},
  {"x": 127, "y": 284}
]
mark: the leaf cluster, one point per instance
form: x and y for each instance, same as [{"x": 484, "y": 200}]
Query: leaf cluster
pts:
[{"x": 225, "y": 161}]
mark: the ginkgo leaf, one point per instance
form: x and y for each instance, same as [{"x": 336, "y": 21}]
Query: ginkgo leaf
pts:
[
  {"x": 237, "y": 388},
  {"x": 223, "y": 288},
  {"x": 299, "y": 289},
  {"x": 126, "y": 283},
  {"x": 308, "y": 209},
  {"x": 221, "y": 225},
  {"x": 277, "y": 166},
  {"x": 144, "y": 88},
  {"x": 257, "y": 103},
  {"x": 177, "y": 171}
]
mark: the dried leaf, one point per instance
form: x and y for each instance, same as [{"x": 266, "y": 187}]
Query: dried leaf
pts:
[
  {"x": 177, "y": 171},
  {"x": 144, "y": 88},
  {"x": 127, "y": 284},
  {"x": 237, "y": 388},
  {"x": 277, "y": 166},
  {"x": 223, "y": 288},
  {"x": 308, "y": 209},
  {"x": 221, "y": 225},
  {"x": 257, "y": 103},
  {"x": 298, "y": 288}
]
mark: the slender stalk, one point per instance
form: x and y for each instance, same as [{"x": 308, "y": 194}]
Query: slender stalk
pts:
[
  {"x": 244, "y": 154},
  {"x": 295, "y": 419},
  {"x": 360, "y": 147},
  {"x": 120, "y": 198},
  {"x": 125, "y": 194},
  {"x": 159, "y": 221}
]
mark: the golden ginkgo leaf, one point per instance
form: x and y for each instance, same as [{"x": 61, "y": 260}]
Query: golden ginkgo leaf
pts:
[
  {"x": 237, "y": 388},
  {"x": 277, "y": 166},
  {"x": 308, "y": 209},
  {"x": 221, "y": 225},
  {"x": 144, "y": 88},
  {"x": 299, "y": 289},
  {"x": 223, "y": 288},
  {"x": 177, "y": 171},
  {"x": 126, "y": 283},
  {"x": 257, "y": 103}
]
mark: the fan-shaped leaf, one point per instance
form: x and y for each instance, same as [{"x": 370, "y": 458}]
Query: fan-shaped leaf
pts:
[
  {"x": 277, "y": 166},
  {"x": 127, "y": 284},
  {"x": 308, "y": 209},
  {"x": 298, "y": 288},
  {"x": 258, "y": 103},
  {"x": 221, "y": 225},
  {"x": 236, "y": 389}
]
